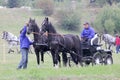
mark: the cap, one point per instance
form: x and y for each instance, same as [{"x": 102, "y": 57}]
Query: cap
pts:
[{"x": 85, "y": 23}]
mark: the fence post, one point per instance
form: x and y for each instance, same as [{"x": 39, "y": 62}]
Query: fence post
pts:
[{"x": 4, "y": 54}]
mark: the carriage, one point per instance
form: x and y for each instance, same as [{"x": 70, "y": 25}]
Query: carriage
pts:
[{"x": 95, "y": 55}]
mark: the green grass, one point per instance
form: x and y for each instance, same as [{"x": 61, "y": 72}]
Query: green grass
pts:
[
  {"x": 12, "y": 20},
  {"x": 46, "y": 71}
]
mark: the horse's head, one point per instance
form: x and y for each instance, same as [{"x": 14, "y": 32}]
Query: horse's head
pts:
[
  {"x": 103, "y": 37},
  {"x": 31, "y": 25},
  {"x": 45, "y": 25},
  {"x": 4, "y": 35}
]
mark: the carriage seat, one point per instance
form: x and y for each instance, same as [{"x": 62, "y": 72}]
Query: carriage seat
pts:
[
  {"x": 97, "y": 45},
  {"x": 85, "y": 45}
]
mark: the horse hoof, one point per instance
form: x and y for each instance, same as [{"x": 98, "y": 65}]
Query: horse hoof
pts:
[
  {"x": 78, "y": 66},
  {"x": 56, "y": 66},
  {"x": 38, "y": 66}
]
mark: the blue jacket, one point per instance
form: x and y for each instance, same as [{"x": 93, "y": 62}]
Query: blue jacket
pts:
[
  {"x": 24, "y": 41},
  {"x": 88, "y": 33}
]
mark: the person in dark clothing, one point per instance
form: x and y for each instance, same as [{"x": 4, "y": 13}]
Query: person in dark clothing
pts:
[{"x": 24, "y": 48}]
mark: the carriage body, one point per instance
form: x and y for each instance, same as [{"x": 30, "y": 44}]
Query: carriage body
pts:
[{"x": 95, "y": 54}]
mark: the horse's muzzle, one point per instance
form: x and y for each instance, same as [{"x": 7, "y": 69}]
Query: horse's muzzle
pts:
[{"x": 28, "y": 33}]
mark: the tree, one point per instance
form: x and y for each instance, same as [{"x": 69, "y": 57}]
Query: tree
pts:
[
  {"x": 47, "y": 6},
  {"x": 2, "y": 3},
  {"x": 13, "y": 3},
  {"x": 108, "y": 20},
  {"x": 92, "y": 1},
  {"x": 68, "y": 19},
  {"x": 30, "y": 3},
  {"x": 101, "y": 3}
]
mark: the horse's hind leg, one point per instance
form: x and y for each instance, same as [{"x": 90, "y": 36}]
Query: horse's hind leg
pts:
[
  {"x": 18, "y": 51},
  {"x": 59, "y": 59},
  {"x": 10, "y": 50},
  {"x": 64, "y": 57},
  {"x": 74, "y": 57}
]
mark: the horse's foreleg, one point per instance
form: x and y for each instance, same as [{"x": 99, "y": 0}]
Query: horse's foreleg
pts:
[
  {"x": 106, "y": 45},
  {"x": 37, "y": 56},
  {"x": 55, "y": 58},
  {"x": 9, "y": 49},
  {"x": 42, "y": 56}
]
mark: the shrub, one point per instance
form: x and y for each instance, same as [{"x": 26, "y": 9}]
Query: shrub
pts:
[
  {"x": 108, "y": 20},
  {"x": 13, "y": 3},
  {"x": 47, "y": 6},
  {"x": 68, "y": 19}
]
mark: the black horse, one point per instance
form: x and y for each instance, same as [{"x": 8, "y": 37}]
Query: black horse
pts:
[
  {"x": 62, "y": 43},
  {"x": 39, "y": 46}
]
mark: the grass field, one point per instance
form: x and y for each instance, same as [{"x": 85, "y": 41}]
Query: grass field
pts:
[
  {"x": 12, "y": 20},
  {"x": 47, "y": 72}
]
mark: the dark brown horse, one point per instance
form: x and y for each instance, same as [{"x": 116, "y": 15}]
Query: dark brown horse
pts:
[{"x": 62, "y": 43}]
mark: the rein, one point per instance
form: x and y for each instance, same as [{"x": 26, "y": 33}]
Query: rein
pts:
[{"x": 46, "y": 33}]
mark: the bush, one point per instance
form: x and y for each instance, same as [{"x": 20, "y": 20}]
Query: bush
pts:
[
  {"x": 3, "y": 3},
  {"x": 13, "y": 3},
  {"x": 47, "y": 6},
  {"x": 68, "y": 20},
  {"x": 108, "y": 20}
]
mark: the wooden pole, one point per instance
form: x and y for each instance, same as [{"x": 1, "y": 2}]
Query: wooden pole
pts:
[{"x": 4, "y": 54}]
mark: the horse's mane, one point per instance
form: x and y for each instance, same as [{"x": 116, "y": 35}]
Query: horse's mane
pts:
[
  {"x": 51, "y": 28},
  {"x": 37, "y": 29}
]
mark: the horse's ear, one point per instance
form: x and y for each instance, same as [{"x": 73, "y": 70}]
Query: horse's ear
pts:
[
  {"x": 46, "y": 18},
  {"x": 30, "y": 19},
  {"x": 34, "y": 19}
]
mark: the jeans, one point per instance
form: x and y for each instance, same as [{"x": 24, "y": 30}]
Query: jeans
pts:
[
  {"x": 24, "y": 59},
  {"x": 117, "y": 48}
]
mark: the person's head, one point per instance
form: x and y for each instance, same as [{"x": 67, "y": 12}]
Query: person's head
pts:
[
  {"x": 27, "y": 24},
  {"x": 117, "y": 35},
  {"x": 86, "y": 25}
]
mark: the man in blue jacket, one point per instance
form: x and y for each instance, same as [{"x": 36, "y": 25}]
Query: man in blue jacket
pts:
[
  {"x": 24, "y": 48},
  {"x": 88, "y": 32}
]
